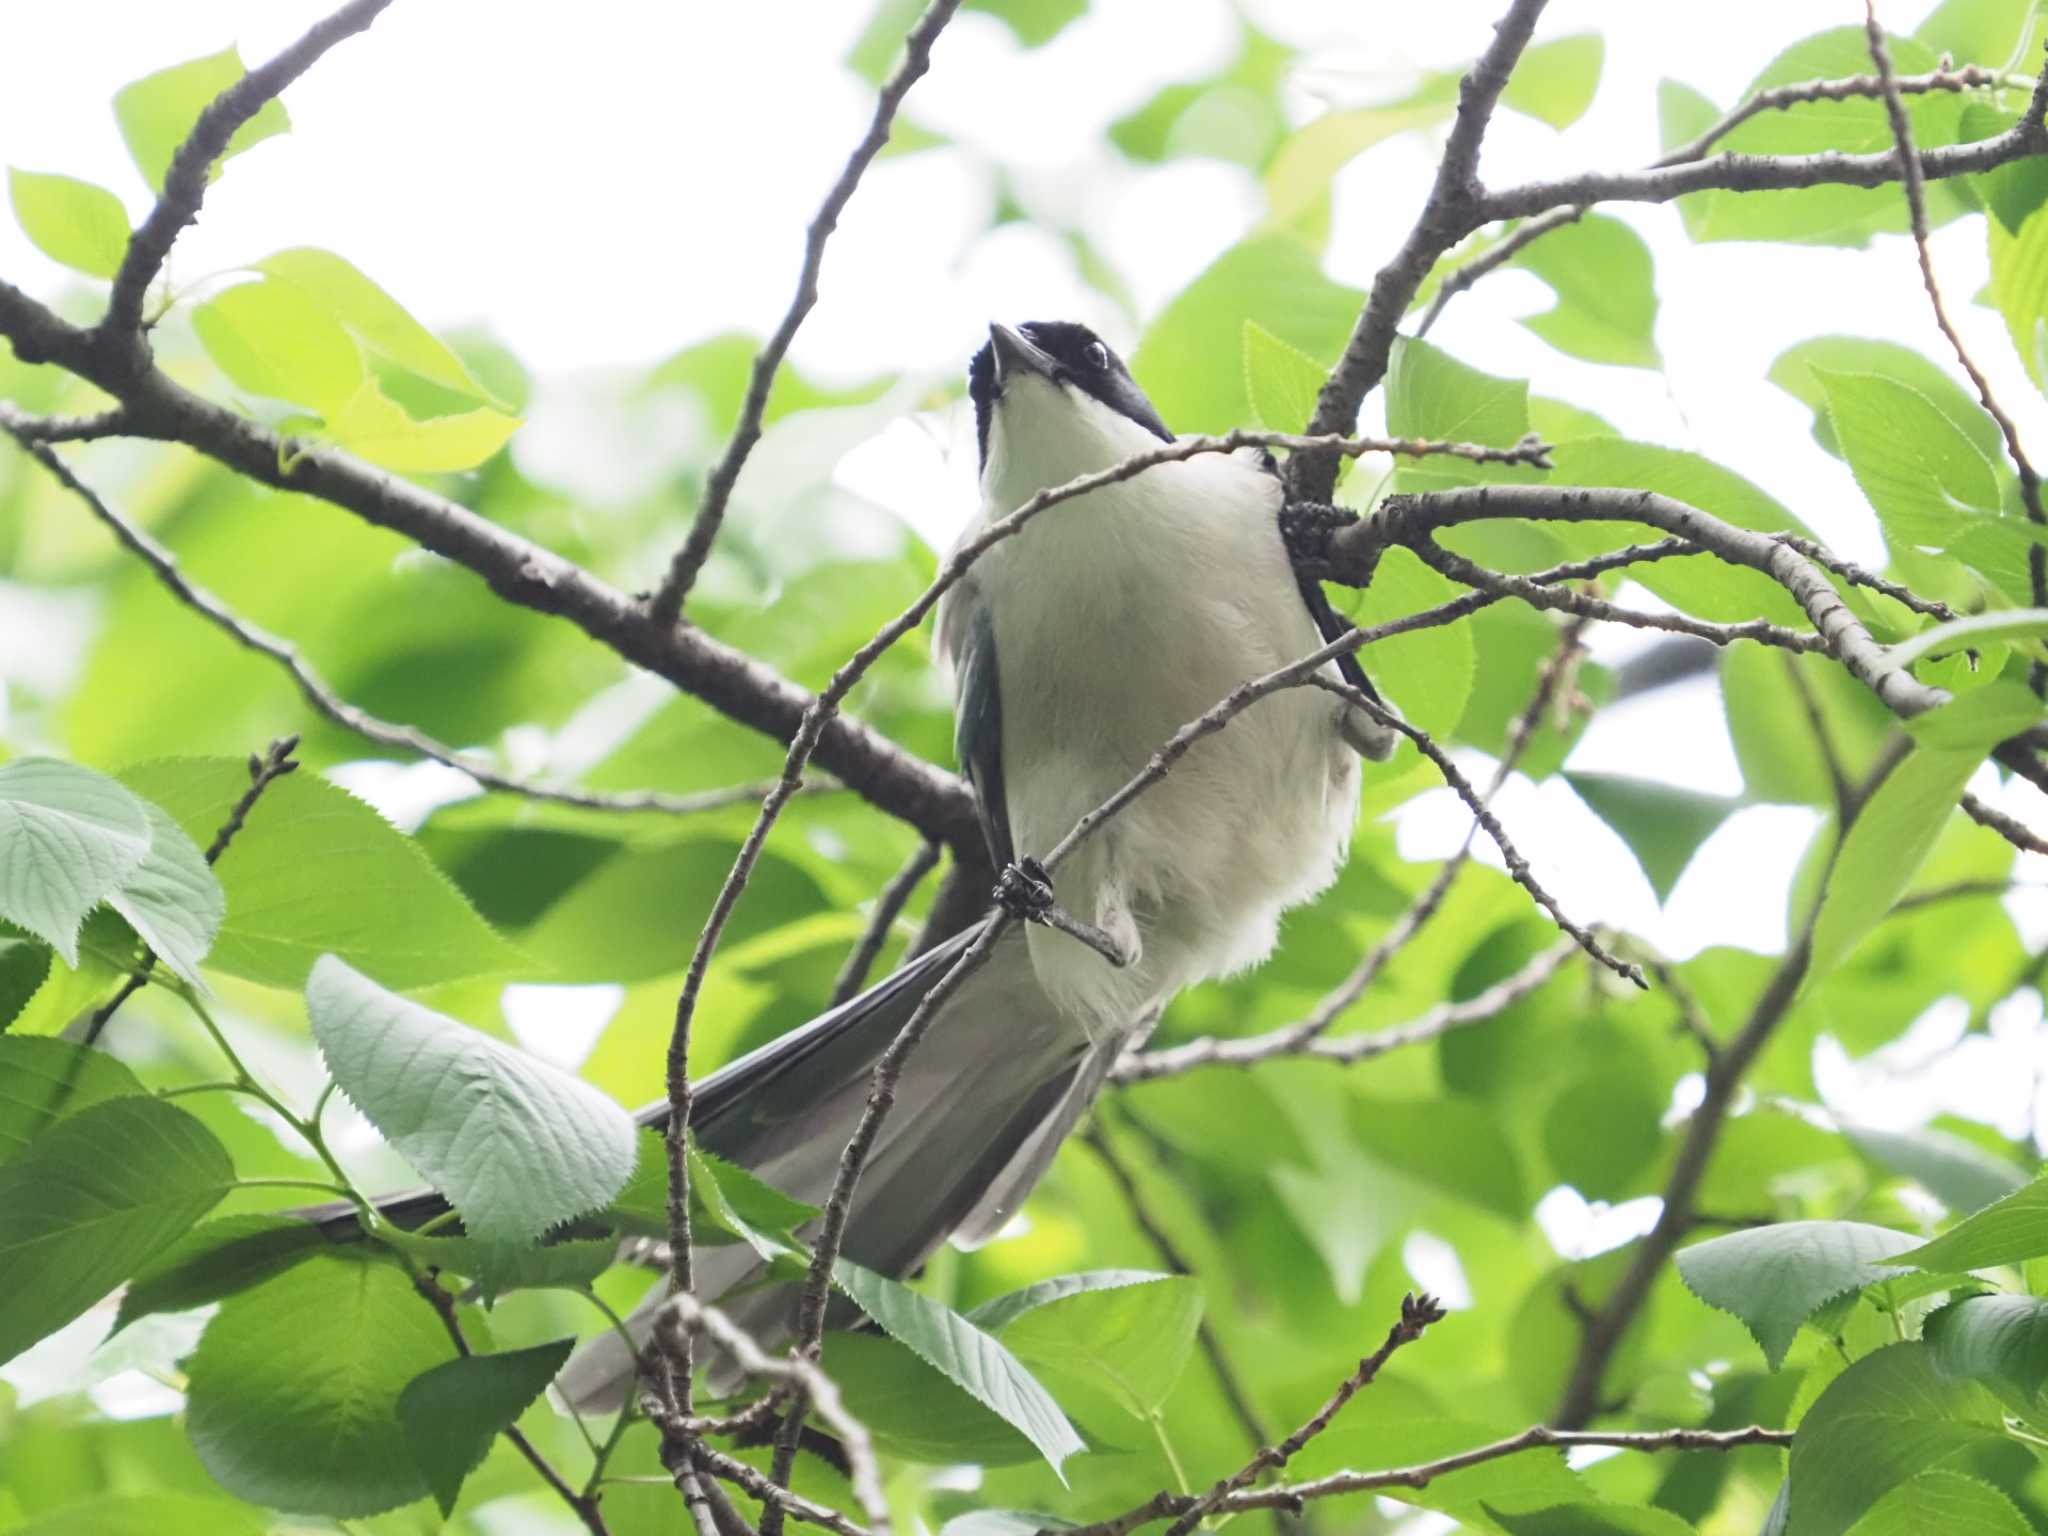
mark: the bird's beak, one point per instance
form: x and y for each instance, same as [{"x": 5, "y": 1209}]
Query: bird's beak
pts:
[{"x": 1016, "y": 356}]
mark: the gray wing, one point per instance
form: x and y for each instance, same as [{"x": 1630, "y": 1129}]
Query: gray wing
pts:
[{"x": 978, "y": 720}]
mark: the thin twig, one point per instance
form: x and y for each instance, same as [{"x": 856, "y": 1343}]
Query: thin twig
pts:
[
  {"x": 322, "y": 696},
  {"x": 888, "y": 908},
  {"x": 1496, "y": 257},
  {"x": 1417, "y": 1313},
  {"x": 68, "y": 429},
  {"x": 667, "y": 602},
  {"x": 683, "y": 1313},
  {"x": 583, "y": 1506},
  {"x": 773, "y": 1495},
  {"x": 120, "y": 332},
  {"x": 2011, "y": 828},
  {"x": 275, "y": 762},
  {"x": 1165, "y": 1506},
  {"x": 1860, "y": 576},
  {"x": 1914, "y": 179},
  {"x": 1692, "y": 1017}
]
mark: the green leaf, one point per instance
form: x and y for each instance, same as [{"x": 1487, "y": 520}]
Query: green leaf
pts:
[
  {"x": 1602, "y": 1130},
  {"x": 1987, "y": 32},
  {"x": 1977, "y": 721},
  {"x": 998, "y": 1312},
  {"x": 1958, "y": 634},
  {"x": 1885, "y": 847},
  {"x": 2019, "y": 289},
  {"x": 1776, "y": 1277},
  {"x": 1298, "y": 179},
  {"x": 1554, "y": 82},
  {"x": 1131, "y": 1341},
  {"x": 373, "y": 317},
  {"x": 1281, "y": 381},
  {"x": 217, "y": 1259},
  {"x": 454, "y": 1411},
  {"x": 518, "y": 1146},
  {"x": 147, "y": 1514},
  {"x": 296, "y": 875},
  {"x": 1920, "y": 471},
  {"x": 1448, "y": 1143},
  {"x": 373, "y": 426},
  {"x": 1797, "y": 370},
  {"x": 499, "y": 1268},
  {"x": 1960, "y": 1174},
  {"x": 1590, "y": 1518},
  {"x": 23, "y": 966},
  {"x": 1662, "y": 824},
  {"x": 728, "y": 1204},
  {"x": 969, "y": 1358},
  {"x": 292, "y": 1396},
  {"x": 1035, "y": 22},
  {"x": 1432, "y": 394},
  {"x": 73, "y": 222},
  {"x": 914, "y": 1411},
  {"x": 1427, "y": 673},
  {"x": 43, "y": 1080},
  {"x": 272, "y": 340},
  {"x": 2010, "y": 1232},
  {"x": 1885, "y": 1419},
  {"x": 1952, "y": 1503},
  {"x": 172, "y": 899},
  {"x": 158, "y": 112},
  {"x": 2000, "y": 1341},
  {"x": 91, "y": 1200},
  {"x": 1271, "y": 279},
  {"x": 69, "y": 837},
  {"x": 1603, "y": 277}
]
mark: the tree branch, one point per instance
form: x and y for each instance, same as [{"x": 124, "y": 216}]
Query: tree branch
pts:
[
  {"x": 1537, "y": 1437},
  {"x": 119, "y": 336},
  {"x": 667, "y": 602},
  {"x": 888, "y": 907},
  {"x": 2011, "y": 828},
  {"x": 322, "y": 696},
  {"x": 1446, "y": 219}
]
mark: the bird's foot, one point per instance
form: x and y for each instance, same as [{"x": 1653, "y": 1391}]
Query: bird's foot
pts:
[{"x": 1024, "y": 891}]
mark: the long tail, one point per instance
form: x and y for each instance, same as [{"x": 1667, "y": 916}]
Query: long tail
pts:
[{"x": 981, "y": 1106}]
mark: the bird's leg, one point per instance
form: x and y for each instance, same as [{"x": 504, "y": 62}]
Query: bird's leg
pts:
[{"x": 1024, "y": 891}]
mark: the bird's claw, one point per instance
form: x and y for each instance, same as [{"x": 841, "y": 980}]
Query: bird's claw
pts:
[{"x": 1024, "y": 889}]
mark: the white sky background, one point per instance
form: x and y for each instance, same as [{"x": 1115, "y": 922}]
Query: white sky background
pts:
[{"x": 603, "y": 184}]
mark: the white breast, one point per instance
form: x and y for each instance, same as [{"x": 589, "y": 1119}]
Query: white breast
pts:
[{"x": 1118, "y": 617}]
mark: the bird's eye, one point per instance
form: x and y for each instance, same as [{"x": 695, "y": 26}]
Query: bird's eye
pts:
[{"x": 1098, "y": 357}]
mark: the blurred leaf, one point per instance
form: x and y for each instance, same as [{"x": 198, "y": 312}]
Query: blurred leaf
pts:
[
  {"x": 1270, "y": 279},
  {"x": 1774, "y": 737},
  {"x": 1885, "y": 847},
  {"x": 1602, "y": 1131},
  {"x": 2019, "y": 289},
  {"x": 969, "y": 1358},
  {"x": 1961, "y": 1176},
  {"x": 1952, "y": 1503},
  {"x": 501, "y": 1267},
  {"x": 1448, "y": 1143},
  {"x": 1988, "y": 32},
  {"x": 369, "y": 423},
  {"x": 719, "y": 369},
  {"x": 217, "y": 1259},
  {"x": 1662, "y": 824},
  {"x": 1306, "y": 162},
  {"x": 1554, "y": 82},
  {"x": 293, "y": 1393},
  {"x": 1035, "y": 22},
  {"x": 73, "y": 222},
  {"x": 90, "y": 1200},
  {"x": 2023, "y": 623},
  {"x": 1282, "y": 382},
  {"x": 1234, "y": 115},
  {"x": 41, "y": 1081},
  {"x": 2010, "y": 1232},
  {"x": 158, "y": 113},
  {"x": 69, "y": 839},
  {"x": 373, "y": 317},
  {"x": 1601, "y": 272},
  {"x": 1683, "y": 114},
  {"x": 1799, "y": 371},
  {"x": 1426, "y": 673},
  {"x": 1979, "y": 720},
  {"x": 147, "y": 1514},
  {"x": 518, "y": 1146},
  {"x": 1131, "y": 1340},
  {"x": 1591, "y": 1519},
  {"x": 23, "y": 966},
  {"x": 1776, "y": 1277},
  {"x": 296, "y": 874},
  {"x": 2011, "y": 192},
  {"x": 1887, "y": 1418},
  {"x": 453, "y": 1411},
  {"x": 272, "y": 339}
]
